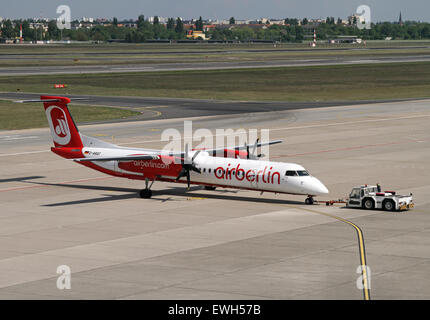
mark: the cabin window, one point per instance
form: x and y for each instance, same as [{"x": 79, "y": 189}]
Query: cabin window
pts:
[
  {"x": 291, "y": 173},
  {"x": 303, "y": 173}
]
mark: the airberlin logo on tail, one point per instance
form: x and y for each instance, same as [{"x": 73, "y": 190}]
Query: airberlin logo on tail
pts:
[
  {"x": 60, "y": 130},
  {"x": 57, "y": 120}
]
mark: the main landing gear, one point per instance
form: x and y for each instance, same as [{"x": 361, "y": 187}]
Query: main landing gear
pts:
[
  {"x": 146, "y": 193},
  {"x": 309, "y": 200}
]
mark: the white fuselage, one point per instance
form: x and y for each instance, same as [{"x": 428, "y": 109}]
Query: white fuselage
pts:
[
  {"x": 227, "y": 172},
  {"x": 256, "y": 174}
]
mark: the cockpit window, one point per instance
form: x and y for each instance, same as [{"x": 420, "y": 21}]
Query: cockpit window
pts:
[
  {"x": 355, "y": 193},
  {"x": 291, "y": 173},
  {"x": 303, "y": 173}
]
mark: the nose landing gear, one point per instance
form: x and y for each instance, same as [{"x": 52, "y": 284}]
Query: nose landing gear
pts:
[
  {"x": 309, "y": 200},
  {"x": 146, "y": 193}
]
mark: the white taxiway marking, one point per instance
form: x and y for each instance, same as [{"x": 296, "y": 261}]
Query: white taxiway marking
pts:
[
  {"x": 130, "y": 68},
  {"x": 17, "y": 137},
  {"x": 22, "y": 153}
]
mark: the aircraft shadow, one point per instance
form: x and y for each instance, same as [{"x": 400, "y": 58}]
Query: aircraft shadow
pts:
[
  {"x": 21, "y": 179},
  {"x": 222, "y": 194}
]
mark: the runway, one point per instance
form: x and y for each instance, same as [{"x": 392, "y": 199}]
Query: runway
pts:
[
  {"x": 222, "y": 244},
  {"x": 323, "y": 61}
]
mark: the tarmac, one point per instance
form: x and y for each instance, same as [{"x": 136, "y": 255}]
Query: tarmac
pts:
[
  {"x": 222, "y": 244},
  {"x": 154, "y": 108}
]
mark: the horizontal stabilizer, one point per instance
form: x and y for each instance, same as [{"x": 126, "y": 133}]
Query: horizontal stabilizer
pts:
[{"x": 50, "y": 100}]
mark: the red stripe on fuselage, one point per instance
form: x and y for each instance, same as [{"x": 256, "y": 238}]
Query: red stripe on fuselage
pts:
[
  {"x": 165, "y": 166},
  {"x": 172, "y": 180}
]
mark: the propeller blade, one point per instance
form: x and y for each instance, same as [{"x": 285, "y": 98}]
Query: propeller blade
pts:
[
  {"x": 255, "y": 146},
  {"x": 186, "y": 157},
  {"x": 188, "y": 165},
  {"x": 195, "y": 155},
  {"x": 247, "y": 150},
  {"x": 181, "y": 174},
  {"x": 195, "y": 169},
  {"x": 188, "y": 179}
]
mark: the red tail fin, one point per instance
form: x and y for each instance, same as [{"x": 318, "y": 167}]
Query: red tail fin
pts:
[{"x": 63, "y": 129}]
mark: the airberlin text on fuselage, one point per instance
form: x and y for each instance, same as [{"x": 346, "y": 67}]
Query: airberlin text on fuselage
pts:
[
  {"x": 251, "y": 175},
  {"x": 151, "y": 164}
]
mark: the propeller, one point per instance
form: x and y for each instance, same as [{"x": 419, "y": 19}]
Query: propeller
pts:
[
  {"x": 251, "y": 155},
  {"x": 188, "y": 165}
]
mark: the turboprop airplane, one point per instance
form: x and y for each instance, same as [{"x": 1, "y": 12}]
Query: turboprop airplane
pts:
[{"x": 235, "y": 167}]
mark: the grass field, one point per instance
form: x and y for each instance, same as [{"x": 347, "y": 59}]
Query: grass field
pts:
[
  {"x": 31, "y": 115},
  {"x": 80, "y": 59},
  {"x": 86, "y": 48},
  {"x": 123, "y": 54},
  {"x": 317, "y": 83}
]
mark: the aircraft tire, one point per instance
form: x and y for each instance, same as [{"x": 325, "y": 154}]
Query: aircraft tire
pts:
[
  {"x": 309, "y": 200},
  {"x": 145, "y": 193}
]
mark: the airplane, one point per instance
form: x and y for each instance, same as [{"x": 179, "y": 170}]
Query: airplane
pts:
[{"x": 236, "y": 167}]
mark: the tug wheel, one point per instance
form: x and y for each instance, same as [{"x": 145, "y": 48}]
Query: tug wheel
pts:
[{"x": 368, "y": 204}]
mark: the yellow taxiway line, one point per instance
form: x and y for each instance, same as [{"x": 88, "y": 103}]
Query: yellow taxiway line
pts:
[{"x": 366, "y": 290}]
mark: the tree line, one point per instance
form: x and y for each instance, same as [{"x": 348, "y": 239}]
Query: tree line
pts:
[{"x": 174, "y": 29}]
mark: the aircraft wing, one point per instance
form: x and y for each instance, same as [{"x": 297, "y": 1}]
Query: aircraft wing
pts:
[
  {"x": 244, "y": 147},
  {"x": 123, "y": 158},
  {"x": 177, "y": 154}
]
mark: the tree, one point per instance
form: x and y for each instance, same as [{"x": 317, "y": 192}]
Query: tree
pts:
[
  {"x": 291, "y": 22},
  {"x": 27, "y": 33},
  {"x": 53, "y": 32},
  {"x": 299, "y": 34},
  {"x": 98, "y": 37},
  {"x": 140, "y": 21},
  {"x": 170, "y": 24},
  {"x": 305, "y": 21},
  {"x": 7, "y": 30},
  {"x": 179, "y": 26},
  {"x": 81, "y": 36},
  {"x": 199, "y": 24},
  {"x": 412, "y": 31},
  {"x": 290, "y": 32},
  {"x": 115, "y": 21},
  {"x": 156, "y": 20},
  {"x": 232, "y": 20},
  {"x": 425, "y": 31}
]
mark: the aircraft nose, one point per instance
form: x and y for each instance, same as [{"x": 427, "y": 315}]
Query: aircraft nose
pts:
[{"x": 318, "y": 188}]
